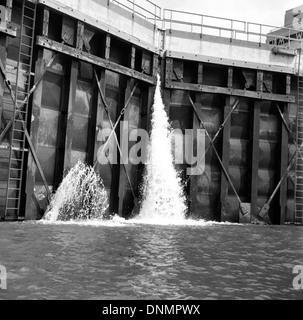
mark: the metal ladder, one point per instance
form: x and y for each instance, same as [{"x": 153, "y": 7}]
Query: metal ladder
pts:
[
  {"x": 299, "y": 160},
  {"x": 22, "y": 88}
]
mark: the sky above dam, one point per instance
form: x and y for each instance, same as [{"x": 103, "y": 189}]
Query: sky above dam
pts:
[{"x": 259, "y": 11}]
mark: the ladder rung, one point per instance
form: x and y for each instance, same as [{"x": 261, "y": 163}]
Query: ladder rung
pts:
[
  {"x": 15, "y": 189},
  {"x": 29, "y": 8},
  {"x": 28, "y": 27},
  {"x": 13, "y": 199},
  {"x": 18, "y": 140},
  {"x": 15, "y": 179},
  {"x": 26, "y": 36},
  {"x": 21, "y": 101},
  {"x": 22, "y": 82},
  {"x": 27, "y": 52},
  {"x": 14, "y": 159},
  {"x": 25, "y": 64},
  {"x": 31, "y": 18},
  {"x": 25, "y": 55},
  {"x": 22, "y": 112},
  {"x": 26, "y": 45},
  {"x": 19, "y": 150}
]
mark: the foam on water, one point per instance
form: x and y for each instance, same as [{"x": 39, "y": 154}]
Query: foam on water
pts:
[
  {"x": 119, "y": 222},
  {"x": 163, "y": 196}
]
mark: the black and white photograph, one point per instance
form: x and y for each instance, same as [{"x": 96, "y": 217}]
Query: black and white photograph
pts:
[{"x": 151, "y": 153}]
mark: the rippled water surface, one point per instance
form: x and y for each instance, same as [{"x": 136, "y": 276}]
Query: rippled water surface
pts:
[{"x": 138, "y": 261}]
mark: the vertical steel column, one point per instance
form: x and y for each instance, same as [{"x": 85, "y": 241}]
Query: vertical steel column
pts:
[
  {"x": 3, "y": 55},
  {"x": 70, "y": 115},
  {"x": 284, "y": 155},
  {"x": 126, "y": 182},
  {"x": 196, "y": 125},
  {"x": 167, "y": 72},
  {"x": 226, "y": 148},
  {"x": 256, "y": 150},
  {"x": 284, "y": 165},
  {"x": 255, "y": 159}
]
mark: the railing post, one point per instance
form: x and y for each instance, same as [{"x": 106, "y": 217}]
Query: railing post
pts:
[
  {"x": 155, "y": 15},
  {"x": 134, "y": 5}
]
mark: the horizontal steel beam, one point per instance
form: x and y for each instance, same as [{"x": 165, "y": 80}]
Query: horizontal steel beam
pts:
[
  {"x": 97, "y": 61},
  {"x": 230, "y": 92},
  {"x": 9, "y": 32},
  {"x": 231, "y": 62}
]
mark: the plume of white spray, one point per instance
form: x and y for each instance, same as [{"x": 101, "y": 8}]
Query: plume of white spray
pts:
[
  {"x": 163, "y": 195},
  {"x": 81, "y": 196}
]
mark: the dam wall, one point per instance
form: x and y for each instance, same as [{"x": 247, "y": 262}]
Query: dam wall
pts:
[{"x": 71, "y": 68}]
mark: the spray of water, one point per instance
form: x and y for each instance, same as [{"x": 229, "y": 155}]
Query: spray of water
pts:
[
  {"x": 163, "y": 196},
  {"x": 81, "y": 196}
]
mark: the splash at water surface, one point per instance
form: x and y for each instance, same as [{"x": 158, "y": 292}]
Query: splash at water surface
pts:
[{"x": 81, "y": 196}]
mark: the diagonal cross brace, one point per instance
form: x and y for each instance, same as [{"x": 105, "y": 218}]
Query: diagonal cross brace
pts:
[
  {"x": 18, "y": 109},
  {"x": 118, "y": 120},
  {"x": 244, "y": 212},
  {"x": 286, "y": 125},
  {"x": 23, "y": 103},
  {"x": 115, "y": 135},
  {"x": 264, "y": 210},
  {"x": 218, "y": 132}
]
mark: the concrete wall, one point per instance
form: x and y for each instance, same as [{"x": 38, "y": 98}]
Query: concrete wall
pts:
[
  {"x": 116, "y": 19},
  {"x": 108, "y": 15},
  {"x": 223, "y": 50}
]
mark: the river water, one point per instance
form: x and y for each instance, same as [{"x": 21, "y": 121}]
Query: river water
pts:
[{"x": 133, "y": 260}]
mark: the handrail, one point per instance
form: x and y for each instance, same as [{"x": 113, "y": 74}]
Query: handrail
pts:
[
  {"x": 147, "y": 9},
  {"x": 233, "y": 29},
  {"x": 212, "y": 25}
]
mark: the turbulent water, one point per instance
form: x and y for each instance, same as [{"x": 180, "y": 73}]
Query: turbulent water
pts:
[
  {"x": 81, "y": 196},
  {"x": 162, "y": 189},
  {"x": 121, "y": 259}
]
